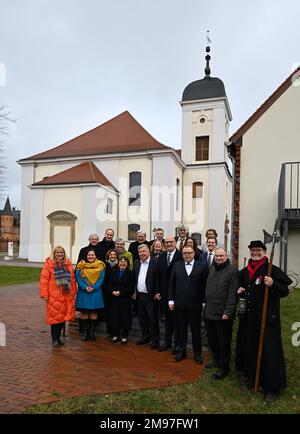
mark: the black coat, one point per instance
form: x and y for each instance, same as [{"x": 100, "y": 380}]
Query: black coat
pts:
[
  {"x": 188, "y": 291},
  {"x": 106, "y": 245},
  {"x": 164, "y": 274},
  {"x": 99, "y": 251},
  {"x": 272, "y": 375},
  {"x": 221, "y": 291},
  {"x": 120, "y": 315},
  {"x": 150, "y": 277},
  {"x": 133, "y": 249}
]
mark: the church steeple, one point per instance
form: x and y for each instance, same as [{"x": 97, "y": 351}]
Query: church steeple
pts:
[
  {"x": 7, "y": 208},
  {"x": 207, "y": 57}
]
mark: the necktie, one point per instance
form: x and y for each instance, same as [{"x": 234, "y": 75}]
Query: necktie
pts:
[
  {"x": 181, "y": 244},
  {"x": 209, "y": 259},
  {"x": 168, "y": 259}
]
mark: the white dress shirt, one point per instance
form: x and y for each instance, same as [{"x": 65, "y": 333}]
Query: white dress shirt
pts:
[
  {"x": 141, "y": 286},
  {"x": 189, "y": 266}
]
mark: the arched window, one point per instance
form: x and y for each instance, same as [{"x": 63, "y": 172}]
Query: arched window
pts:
[
  {"x": 135, "y": 180},
  {"x": 197, "y": 190},
  {"x": 132, "y": 230}
]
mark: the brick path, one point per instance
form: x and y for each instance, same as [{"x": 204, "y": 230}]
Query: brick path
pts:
[{"x": 32, "y": 372}]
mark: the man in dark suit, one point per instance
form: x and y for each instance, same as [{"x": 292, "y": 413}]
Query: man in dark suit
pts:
[
  {"x": 147, "y": 297},
  {"x": 165, "y": 265},
  {"x": 134, "y": 246},
  {"x": 186, "y": 295},
  {"x": 209, "y": 256},
  {"x": 94, "y": 245},
  {"x": 108, "y": 241}
]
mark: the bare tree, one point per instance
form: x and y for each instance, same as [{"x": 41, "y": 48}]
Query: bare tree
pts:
[{"x": 5, "y": 119}]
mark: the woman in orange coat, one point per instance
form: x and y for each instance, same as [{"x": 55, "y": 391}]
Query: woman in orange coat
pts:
[{"x": 58, "y": 288}]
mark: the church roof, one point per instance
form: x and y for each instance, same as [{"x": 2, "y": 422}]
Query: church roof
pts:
[
  {"x": 120, "y": 134},
  {"x": 207, "y": 87},
  {"x": 84, "y": 173},
  {"x": 265, "y": 106}
]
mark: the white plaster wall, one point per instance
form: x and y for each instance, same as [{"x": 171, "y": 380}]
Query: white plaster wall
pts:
[
  {"x": 271, "y": 141},
  {"x": 163, "y": 207},
  {"x": 217, "y": 115},
  {"x": 26, "y": 180},
  {"x": 195, "y": 221},
  {"x": 65, "y": 199},
  {"x": 36, "y": 226},
  {"x": 110, "y": 168},
  {"x": 217, "y": 200},
  {"x": 129, "y": 214}
]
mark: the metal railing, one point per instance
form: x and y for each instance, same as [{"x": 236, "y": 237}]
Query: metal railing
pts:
[{"x": 289, "y": 191}]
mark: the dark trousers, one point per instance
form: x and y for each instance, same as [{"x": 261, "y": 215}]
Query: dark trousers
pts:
[
  {"x": 219, "y": 335},
  {"x": 184, "y": 318},
  {"x": 148, "y": 316},
  {"x": 170, "y": 325},
  {"x": 56, "y": 330}
]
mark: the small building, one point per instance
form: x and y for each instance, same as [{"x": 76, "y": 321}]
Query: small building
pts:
[
  {"x": 9, "y": 227},
  {"x": 266, "y": 182}
]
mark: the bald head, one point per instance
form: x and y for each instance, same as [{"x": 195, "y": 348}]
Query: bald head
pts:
[{"x": 220, "y": 255}]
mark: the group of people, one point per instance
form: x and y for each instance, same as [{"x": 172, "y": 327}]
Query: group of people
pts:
[{"x": 183, "y": 281}]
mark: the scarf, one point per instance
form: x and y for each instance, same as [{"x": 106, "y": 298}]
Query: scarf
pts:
[
  {"x": 90, "y": 271},
  {"x": 253, "y": 266},
  {"x": 62, "y": 276},
  {"x": 112, "y": 263}
]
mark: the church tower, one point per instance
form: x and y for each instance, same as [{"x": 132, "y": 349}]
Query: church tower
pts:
[{"x": 205, "y": 126}]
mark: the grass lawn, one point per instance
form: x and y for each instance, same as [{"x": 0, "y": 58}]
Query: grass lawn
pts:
[
  {"x": 10, "y": 275},
  {"x": 204, "y": 396}
]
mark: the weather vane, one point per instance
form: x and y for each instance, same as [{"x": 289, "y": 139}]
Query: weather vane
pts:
[{"x": 208, "y": 38}]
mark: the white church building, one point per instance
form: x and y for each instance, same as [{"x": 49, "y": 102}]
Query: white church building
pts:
[{"x": 118, "y": 176}]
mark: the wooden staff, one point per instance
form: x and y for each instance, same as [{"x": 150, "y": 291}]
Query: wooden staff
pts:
[{"x": 264, "y": 317}]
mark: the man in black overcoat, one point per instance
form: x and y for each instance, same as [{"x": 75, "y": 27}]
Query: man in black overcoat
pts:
[
  {"x": 253, "y": 280},
  {"x": 94, "y": 245},
  {"x": 186, "y": 295},
  {"x": 165, "y": 265}
]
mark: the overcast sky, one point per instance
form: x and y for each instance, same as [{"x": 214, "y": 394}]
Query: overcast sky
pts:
[{"x": 71, "y": 65}]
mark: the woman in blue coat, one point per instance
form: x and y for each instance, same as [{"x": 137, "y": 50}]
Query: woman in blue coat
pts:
[{"x": 90, "y": 274}]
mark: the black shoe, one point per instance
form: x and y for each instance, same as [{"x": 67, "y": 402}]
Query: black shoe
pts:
[
  {"x": 198, "y": 358},
  {"x": 211, "y": 364},
  {"x": 115, "y": 339},
  {"x": 179, "y": 357},
  {"x": 154, "y": 346},
  {"x": 56, "y": 344},
  {"x": 61, "y": 342},
  {"x": 219, "y": 375},
  {"x": 124, "y": 341},
  {"x": 142, "y": 341},
  {"x": 164, "y": 347},
  {"x": 270, "y": 396}
]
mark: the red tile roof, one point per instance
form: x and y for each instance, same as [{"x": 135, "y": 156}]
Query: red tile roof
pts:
[
  {"x": 120, "y": 134},
  {"x": 84, "y": 173},
  {"x": 265, "y": 106}
]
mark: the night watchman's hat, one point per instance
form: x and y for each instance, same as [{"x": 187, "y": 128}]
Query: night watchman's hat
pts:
[{"x": 257, "y": 243}]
